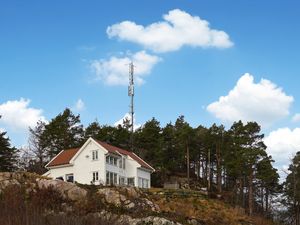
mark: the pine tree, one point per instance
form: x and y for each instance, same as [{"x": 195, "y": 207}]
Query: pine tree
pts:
[
  {"x": 8, "y": 154},
  {"x": 148, "y": 142},
  {"x": 62, "y": 132},
  {"x": 268, "y": 181},
  {"x": 93, "y": 130},
  {"x": 292, "y": 189}
]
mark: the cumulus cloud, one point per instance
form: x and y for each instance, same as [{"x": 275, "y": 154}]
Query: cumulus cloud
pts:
[
  {"x": 114, "y": 71},
  {"x": 283, "y": 144},
  {"x": 178, "y": 29},
  {"x": 127, "y": 117},
  {"x": 79, "y": 106},
  {"x": 18, "y": 116},
  {"x": 262, "y": 102},
  {"x": 296, "y": 118}
]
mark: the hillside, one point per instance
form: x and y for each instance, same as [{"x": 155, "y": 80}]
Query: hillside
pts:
[{"x": 30, "y": 199}]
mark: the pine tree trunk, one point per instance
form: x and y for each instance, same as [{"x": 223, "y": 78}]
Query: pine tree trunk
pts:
[
  {"x": 262, "y": 198},
  {"x": 235, "y": 191},
  {"x": 267, "y": 200},
  {"x": 219, "y": 169},
  {"x": 250, "y": 197},
  {"x": 208, "y": 171},
  {"x": 204, "y": 169},
  {"x": 188, "y": 163},
  {"x": 199, "y": 166}
]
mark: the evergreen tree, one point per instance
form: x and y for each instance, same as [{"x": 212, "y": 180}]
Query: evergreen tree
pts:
[
  {"x": 292, "y": 190},
  {"x": 268, "y": 182},
  {"x": 169, "y": 156},
  {"x": 216, "y": 144},
  {"x": 93, "y": 130},
  {"x": 147, "y": 142},
  {"x": 62, "y": 132},
  {"x": 115, "y": 135},
  {"x": 8, "y": 154}
]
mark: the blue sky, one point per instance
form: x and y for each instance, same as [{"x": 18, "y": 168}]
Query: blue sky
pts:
[{"x": 56, "y": 53}]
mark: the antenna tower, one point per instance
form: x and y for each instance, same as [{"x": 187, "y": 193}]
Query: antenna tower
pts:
[{"x": 131, "y": 95}]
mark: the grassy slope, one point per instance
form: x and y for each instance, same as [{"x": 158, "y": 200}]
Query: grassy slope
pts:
[{"x": 191, "y": 204}]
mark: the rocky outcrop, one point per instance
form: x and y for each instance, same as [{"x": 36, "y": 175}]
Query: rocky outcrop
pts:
[
  {"x": 128, "y": 197},
  {"x": 126, "y": 219},
  {"x": 67, "y": 190},
  {"x": 7, "y": 179}
]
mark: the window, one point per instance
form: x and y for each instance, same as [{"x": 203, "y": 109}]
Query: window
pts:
[
  {"x": 122, "y": 181},
  {"x": 95, "y": 176},
  {"x": 59, "y": 178},
  {"x": 111, "y": 178},
  {"x": 143, "y": 183},
  {"x": 70, "y": 177},
  {"x": 95, "y": 155},
  {"x": 130, "y": 181},
  {"x": 112, "y": 160},
  {"x": 122, "y": 163}
]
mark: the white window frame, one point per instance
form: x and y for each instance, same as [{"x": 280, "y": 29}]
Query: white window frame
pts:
[
  {"x": 143, "y": 182},
  {"x": 122, "y": 180},
  {"x": 112, "y": 160},
  {"x": 69, "y": 175},
  {"x": 131, "y": 183},
  {"x": 111, "y": 178},
  {"x": 95, "y": 176},
  {"x": 95, "y": 155},
  {"x": 122, "y": 163}
]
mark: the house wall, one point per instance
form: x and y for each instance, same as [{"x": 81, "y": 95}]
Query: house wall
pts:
[
  {"x": 61, "y": 172},
  {"x": 84, "y": 165},
  {"x": 145, "y": 175},
  {"x": 131, "y": 169}
]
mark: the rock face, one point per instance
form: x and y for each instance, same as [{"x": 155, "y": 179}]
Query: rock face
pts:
[
  {"x": 7, "y": 179},
  {"x": 125, "y": 219},
  {"x": 132, "y": 200},
  {"x": 128, "y": 197},
  {"x": 67, "y": 190}
]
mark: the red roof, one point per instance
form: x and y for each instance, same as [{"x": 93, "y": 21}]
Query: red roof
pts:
[
  {"x": 114, "y": 149},
  {"x": 64, "y": 157}
]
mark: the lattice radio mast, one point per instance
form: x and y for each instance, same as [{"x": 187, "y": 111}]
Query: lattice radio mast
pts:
[{"x": 131, "y": 95}]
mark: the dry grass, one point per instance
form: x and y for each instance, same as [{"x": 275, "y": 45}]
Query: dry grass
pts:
[
  {"x": 41, "y": 207},
  {"x": 208, "y": 211}
]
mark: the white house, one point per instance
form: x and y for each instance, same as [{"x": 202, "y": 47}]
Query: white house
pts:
[{"x": 97, "y": 162}]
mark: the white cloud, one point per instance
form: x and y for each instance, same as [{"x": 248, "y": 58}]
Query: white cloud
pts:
[
  {"x": 283, "y": 144},
  {"x": 128, "y": 117},
  {"x": 262, "y": 102},
  {"x": 114, "y": 71},
  {"x": 296, "y": 118},
  {"x": 79, "y": 106},
  {"x": 18, "y": 116},
  {"x": 177, "y": 30}
]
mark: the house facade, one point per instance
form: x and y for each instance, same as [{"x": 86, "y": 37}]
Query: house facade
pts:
[{"x": 97, "y": 162}]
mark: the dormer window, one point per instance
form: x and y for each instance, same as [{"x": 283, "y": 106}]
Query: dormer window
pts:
[
  {"x": 95, "y": 155},
  {"x": 112, "y": 160}
]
